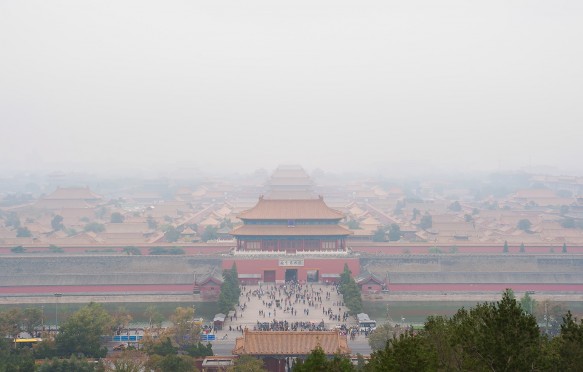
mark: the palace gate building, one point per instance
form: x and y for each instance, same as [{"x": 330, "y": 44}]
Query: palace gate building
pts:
[{"x": 291, "y": 239}]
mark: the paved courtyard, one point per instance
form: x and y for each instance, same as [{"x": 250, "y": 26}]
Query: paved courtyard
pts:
[{"x": 287, "y": 307}]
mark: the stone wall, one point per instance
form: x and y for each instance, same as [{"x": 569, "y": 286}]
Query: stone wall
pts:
[
  {"x": 477, "y": 269},
  {"x": 104, "y": 270}
]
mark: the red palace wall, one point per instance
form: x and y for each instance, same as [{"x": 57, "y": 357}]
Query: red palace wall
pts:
[{"x": 323, "y": 265}]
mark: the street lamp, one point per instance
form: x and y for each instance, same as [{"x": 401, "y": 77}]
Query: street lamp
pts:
[{"x": 57, "y": 296}]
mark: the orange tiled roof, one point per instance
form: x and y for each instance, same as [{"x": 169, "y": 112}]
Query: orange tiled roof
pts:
[
  {"x": 298, "y": 230},
  {"x": 274, "y": 209},
  {"x": 290, "y": 343},
  {"x": 73, "y": 193}
]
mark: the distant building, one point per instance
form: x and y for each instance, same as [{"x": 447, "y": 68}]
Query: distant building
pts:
[
  {"x": 69, "y": 197},
  {"x": 290, "y": 182}
]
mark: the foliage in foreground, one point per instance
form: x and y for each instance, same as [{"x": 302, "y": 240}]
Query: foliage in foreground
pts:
[{"x": 499, "y": 336}]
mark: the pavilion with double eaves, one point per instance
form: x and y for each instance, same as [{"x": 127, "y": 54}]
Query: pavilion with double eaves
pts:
[{"x": 291, "y": 226}]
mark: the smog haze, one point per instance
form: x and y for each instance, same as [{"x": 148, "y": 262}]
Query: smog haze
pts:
[{"x": 335, "y": 85}]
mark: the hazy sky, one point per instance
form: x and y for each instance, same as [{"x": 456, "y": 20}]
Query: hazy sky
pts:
[{"x": 330, "y": 84}]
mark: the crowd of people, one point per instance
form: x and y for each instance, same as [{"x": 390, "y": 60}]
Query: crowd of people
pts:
[
  {"x": 280, "y": 306},
  {"x": 284, "y": 325}
]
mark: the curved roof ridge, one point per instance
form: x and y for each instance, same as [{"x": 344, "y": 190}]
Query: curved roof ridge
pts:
[{"x": 283, "y": 209}]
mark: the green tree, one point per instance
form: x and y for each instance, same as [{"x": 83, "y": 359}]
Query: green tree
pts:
[
  {"x": 226, "y": 223},
  {"x": 31, "y": 318},
  {"x": 23, "y": 232},
  {"x": 18, "y": 249},
  {"x": 132, "y": 251},
  {"x": 394, "y": 232},
  {"x": 94, "y": 227},
  {"x": 161, "y": 347},
  {"x": 569, "y": 345},
  {"x": 350, "y": 291},
  {"x": 172, "y": 234},
  {"x": 10, "y": 323},
  {"x": 524, "y": 225},
  {"x": 154, "y": 316},
  {"x": 81, "y": 333},
  {"x": 353, "y": 224},
  {"x": 152, "y": 224},
  {"x": 404, "y": 353},
  {"x": 426, "y": 222},
  {"x": 230, "y": 290},
  {"x": 185, "y": 331},
  {"x": 496, "y": 336},
  {"x": 434, "y": 250},
  {"x": 317, "y": 360},
  {"x": 380, "y": 336},
  {"x": 522, "y": 249},
  {"x": 415, "y": 214},
  {"x": 199, "y": 350},
  {"x": 14, "y": 360},
  {"x": 117, "y": 217},
  {"x": 568, "y": 223},
  {"x": 505, "y": 250},
  {"x": 170, "y": 363},
  {"x": 129, "y": 361},
  {"x": 12, "y": 220},
  {"x": 72, "y": 364},
  {"x": 209, "y": 233},
  {"x": 162, "y": 250},
  {"x": 55, "y": 249},
  {"x": 564, "y": 250},
  {"x": 57, "y": 223},
  {"x": 455, "y": 206},
  {"x": 528, "y": 303},
  {"x": 380, "y": 234},
  {"x": 247, "y": 363},
  {"x": 121, "y": 318}
]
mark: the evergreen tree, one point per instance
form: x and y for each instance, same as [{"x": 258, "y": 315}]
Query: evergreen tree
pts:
[
  {"x": 319, "y": 362},
  {"x": 569, "y": 345},
  {"x": 230, "y": 290},
  {"x": 350, "y": 291},
  {"x": 505, "y": 250},
  {"x": 564, "y": 247},
  {"x": 405, "y": 353}
]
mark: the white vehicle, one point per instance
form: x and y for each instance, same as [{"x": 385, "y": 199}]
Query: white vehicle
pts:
[{"x": 365, "y": 323}]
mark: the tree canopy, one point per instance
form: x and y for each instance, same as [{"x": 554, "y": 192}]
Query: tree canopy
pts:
[
  {"x": 57, "y": 223},
  {"x": 117, "y": 217},
  {"x": 394, "y": 232},
  {"x": 524, "y": 225},
  {"x": 81, "y": 332},
  {"x": 426, "y": 222},
  {"x": 350, "y": 291},
  {"x": 230, "y": 290}
]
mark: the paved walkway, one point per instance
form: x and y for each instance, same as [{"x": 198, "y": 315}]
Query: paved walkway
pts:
[{"x": 289, "y": 306}]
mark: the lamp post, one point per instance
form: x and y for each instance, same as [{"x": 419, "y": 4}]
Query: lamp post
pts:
[{"x": 57, "y": 296}]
